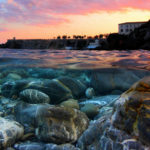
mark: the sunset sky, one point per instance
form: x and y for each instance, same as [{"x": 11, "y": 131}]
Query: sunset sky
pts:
[{"x": 44, "y": 19}]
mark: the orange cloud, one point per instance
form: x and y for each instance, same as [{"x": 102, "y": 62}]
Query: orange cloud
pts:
[{"x": 70, "y": 16}]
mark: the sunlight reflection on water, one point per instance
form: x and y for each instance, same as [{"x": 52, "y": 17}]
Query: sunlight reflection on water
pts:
[{"x": 137, "y": 59}]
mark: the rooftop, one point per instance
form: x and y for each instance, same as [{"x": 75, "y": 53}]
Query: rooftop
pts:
[{"x": 133, "y": 22}]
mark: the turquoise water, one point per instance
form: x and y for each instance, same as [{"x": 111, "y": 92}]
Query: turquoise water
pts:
[
  {"x": 106, "y": 72},
  {"x": 61, "y": 96}
]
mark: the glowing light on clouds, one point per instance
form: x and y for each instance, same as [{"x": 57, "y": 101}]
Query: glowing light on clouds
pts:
[{"x": 48, "y": 18}]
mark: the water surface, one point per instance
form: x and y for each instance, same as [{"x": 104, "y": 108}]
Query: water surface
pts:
[{"x": 136, "y": 59}]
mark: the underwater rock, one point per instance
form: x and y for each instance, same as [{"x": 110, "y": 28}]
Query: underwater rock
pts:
[
  {"x": 4, "y": 101},
  {"x": 34, "y": 96},
  {"x": 1, "y": 112},
  {"x": 53, "y": 88},
  {"x": 13, "y": 88},
  {"x": 76, "y": 86},
  {"x": 10, "y": 132},
  {"x": 10, "y": 77},
  {"x": 13, "y": 76},
  {"x": 104, "y": 111},
  {"x": 61, "y": 125},
  {"x": 1, "y": 76},
  {"x": 105, "y": 81},
  {"x": 60, "y": 147},
  {"x": 53, "y": 124},
  {"x": 10, "y": 117},
  {"x": 90, "y": 110},
  {"x": 71, "y": 103},
  {"x": 19, "y": 71},
  {"x": 42, "y": 146},
  {"x": 116, "y": 92},
  {"x": 89, "y": 93},
  {"x": 0, "y": 90},
  {"x": 128, "y": 126},
  {"x": 26, "y": 115},
  {"x": 7, "y": 106},
  {"x": 47, "y": 73},
  {"x": 10, "y": 148},
  {"x": 101, "y": 100},
  {"x": 7, "y": 88},
  {"x": 30, "y": 146},
  {"x": 119, "y": 140},
  {"x": 91, "y": 137},
  {"x": 133, "y": 111},
  {"x": 102, "y": 135}
]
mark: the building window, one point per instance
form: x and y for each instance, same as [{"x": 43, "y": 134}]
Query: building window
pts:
[
  {"x": 131, "y": 30},
  {"x": 121, "y": 30},
  {"x": 127, "y": 30}
]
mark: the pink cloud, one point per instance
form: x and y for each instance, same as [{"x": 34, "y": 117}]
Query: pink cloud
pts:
[
  {"x": 3, "y": 30},
  {"x": 51, "y": 12}
]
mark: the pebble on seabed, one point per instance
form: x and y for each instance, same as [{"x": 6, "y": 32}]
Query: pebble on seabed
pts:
[
  {"x": 34, "y": 96},
  {"x": 89, "y": 93}
]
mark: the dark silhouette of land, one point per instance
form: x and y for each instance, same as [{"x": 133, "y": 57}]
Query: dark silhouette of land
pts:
[{"x": 137, "y": 39}]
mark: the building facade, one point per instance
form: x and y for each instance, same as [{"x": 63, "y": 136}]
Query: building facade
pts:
[{"x": 127, "y": 27}]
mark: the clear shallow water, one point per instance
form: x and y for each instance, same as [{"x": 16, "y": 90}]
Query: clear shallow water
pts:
[
  {"x": 139, "y": 59},
  {"x": 90, "y": 81}
]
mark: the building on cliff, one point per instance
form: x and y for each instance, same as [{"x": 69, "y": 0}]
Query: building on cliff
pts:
[{"x": 127, "y": 27}]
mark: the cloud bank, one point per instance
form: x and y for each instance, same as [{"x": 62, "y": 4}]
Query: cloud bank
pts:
[{"x": 53, "y": 12}]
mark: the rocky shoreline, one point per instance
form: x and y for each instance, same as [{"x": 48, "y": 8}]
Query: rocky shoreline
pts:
[
  {"x": 57, "y": 44},
  {"x": 47, "y": 109}
]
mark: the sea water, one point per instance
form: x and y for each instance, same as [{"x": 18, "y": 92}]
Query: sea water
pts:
[{"x": 89, "y": 81}]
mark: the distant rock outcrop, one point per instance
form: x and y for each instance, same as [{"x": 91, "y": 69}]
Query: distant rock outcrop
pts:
[
  {"x": 140, "y": 37},
  {"x": 137, "y": 39}
]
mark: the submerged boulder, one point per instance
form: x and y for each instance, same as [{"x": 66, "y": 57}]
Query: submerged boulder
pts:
[
  {"x": 25, "y": 114},
  {"x": 19, "y": 71},
  {"x": 47, "y": 73},
  {"x": 52, "y": 123},
  {"x": 133, "y": 111},
  {"x": 90, "y": 110},
  {"x": 90, "y": 139},
  {"x": 102, "y": 135},
  {"x": 105, "y": 81},
  {"x": 13, "y": 88},
  {"x": 61, "y": 125},
  {"x": 34, "y": 96},
  {"x": 30, "y": 146},
  {"x": 10, "y": 132},
  {"x": 61, "y": 147},
  {"x": 42, "y": 146},
  {"x": 13, "y": 76},
  {"x": 76, "y": 86},
  {"x": 71, "y": 103},
  {"x": 126, "y": 127},
  {"x": 57, "y": 91},
  {"x": 53, "y": 88}
]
